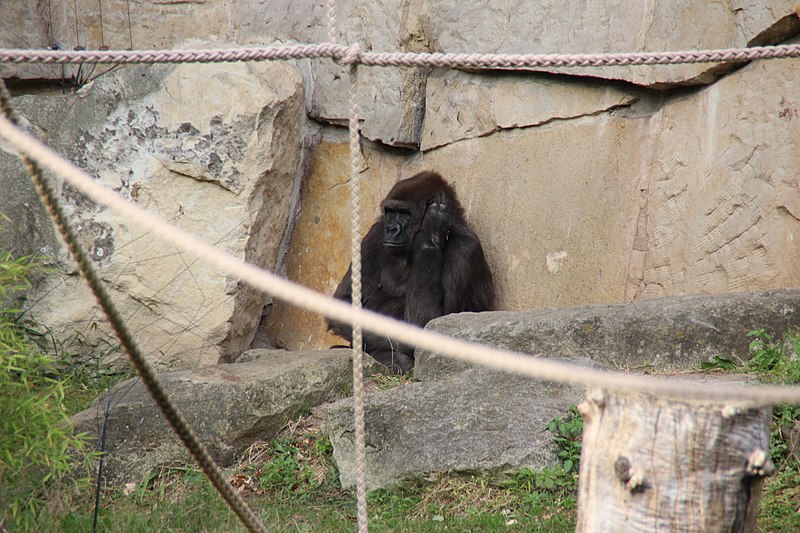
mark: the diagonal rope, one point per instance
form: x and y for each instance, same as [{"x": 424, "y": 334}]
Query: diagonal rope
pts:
[
  {"x": 148, "y": 376},
  {"x": 296, "y": 294}
]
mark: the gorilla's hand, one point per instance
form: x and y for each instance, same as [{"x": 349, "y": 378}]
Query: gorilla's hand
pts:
[{"x": 435, "y": 227}]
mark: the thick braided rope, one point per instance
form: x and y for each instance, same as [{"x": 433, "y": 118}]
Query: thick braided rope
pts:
[
  {"x": 331, "y": 21},
  {"x": 347, "y": 54},
  {"x": 173, "y": 56},
  {"x": 149, "y": 378},
  {"x": 296, "y": 294},
  {"x": 358, "y": 344}
]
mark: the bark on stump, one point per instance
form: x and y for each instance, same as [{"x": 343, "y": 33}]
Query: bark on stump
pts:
[{"x": 668, "y": 464}]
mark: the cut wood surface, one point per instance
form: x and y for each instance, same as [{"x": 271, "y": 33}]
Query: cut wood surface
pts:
[{"x": 671, "y": 464}]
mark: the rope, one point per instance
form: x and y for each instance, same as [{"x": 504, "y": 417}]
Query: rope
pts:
[
  {"x": 353, "y": 53},
  {"x": 306, "y": 298},
  {"x": 149, "y": 378},
  {"x": 358, "y": 345},
  {"x": 332, "y": 21}
]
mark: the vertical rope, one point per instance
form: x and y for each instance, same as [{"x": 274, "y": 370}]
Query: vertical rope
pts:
[
  {"x": 331, "y": 21},
  {"x": 358, "y": 348},
  {"x": 75, "y": 7}
]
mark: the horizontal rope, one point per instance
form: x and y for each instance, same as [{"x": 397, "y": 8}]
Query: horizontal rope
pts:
[
  {"x": 355, "y": 54},
  {"x": 306, "y": 298}
]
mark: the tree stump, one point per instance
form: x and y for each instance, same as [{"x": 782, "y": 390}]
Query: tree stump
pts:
[{"x": 666, "y": 464}]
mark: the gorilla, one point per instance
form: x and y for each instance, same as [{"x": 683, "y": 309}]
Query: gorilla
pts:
[{"x": 420, "y": 260}]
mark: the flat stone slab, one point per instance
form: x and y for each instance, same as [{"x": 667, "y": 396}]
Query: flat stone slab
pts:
[
  {"x": 483, "y": 422},
  {"x": 662, "y": 334},
  {"x": 229, "y": 406}
]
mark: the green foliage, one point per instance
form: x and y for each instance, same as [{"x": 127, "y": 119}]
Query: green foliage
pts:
[
  {"x": 293, "y": 486},
  {"x": 386, "y": 380},
  {"x": 37, "y": 445},
  {"x": 777, "y": 362},
  {"x": 568, "y": 434},
  {"x": 285, "y": 473},
  {"x": 779, "y": 502},
  {"x": 773, "y": 361},
  {"x": 719, "y": 363}
]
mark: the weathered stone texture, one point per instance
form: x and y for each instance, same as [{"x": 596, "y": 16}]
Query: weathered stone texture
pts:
[
  {"x": 220, "y": 162},
  {"x": 320, "y": 250},
  {"x": 721, "y": 206},
  {"x": 583, "y": 190},
  {"x": 479, "y": 423},
  {"x": 663, "y": 334},
  {"x": 553, "y": 26},
  {"x": 552, "y": 206},
  {"x": 463, "y": 106},
  {"x": 229, "y": 406},
  {"x": 392, "y": 100}
]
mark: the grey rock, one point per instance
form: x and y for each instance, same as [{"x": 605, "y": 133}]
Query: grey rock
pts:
[
  {"x": 223, "y": 162},
  {"x": 664, "y": 333},
  {"x": 24, "y": 222},
  {"x": 460, "y": 105},
  {"x": 481, "y": 422},
  {"x": 229, "y": 406}
]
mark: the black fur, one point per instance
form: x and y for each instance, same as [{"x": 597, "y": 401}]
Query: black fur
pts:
[{"x": 420, "y": 260}]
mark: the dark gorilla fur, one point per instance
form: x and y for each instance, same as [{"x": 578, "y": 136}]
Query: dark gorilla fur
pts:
[{"x": 420, "y": 260}]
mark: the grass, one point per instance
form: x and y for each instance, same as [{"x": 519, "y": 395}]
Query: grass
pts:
[
  {"x": 292, "y": 484},
  {"x": 291, "y": 481}
]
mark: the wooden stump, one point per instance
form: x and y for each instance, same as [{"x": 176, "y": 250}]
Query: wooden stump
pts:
[{"x": 667, "y": 464}]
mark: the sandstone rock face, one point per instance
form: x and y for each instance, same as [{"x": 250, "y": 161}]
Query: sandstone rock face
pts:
[
  {"x": 550, "y": 27},
  {"x": 656, "y": 197},
  {"x": 478, "y": 422},
  {"x": 585, "y": 186},
  {"x": 661, "y": 334},
  {"x": 320, "y": 250},
  {"x": 550, "y": 206},
  {"x": 239, "y": 404},
  {"x": 393, "y": 100},
  {"x": 212, "y": 149},
  {"x": 464, "y": 106},
  {"x": 720, "y": 208}
]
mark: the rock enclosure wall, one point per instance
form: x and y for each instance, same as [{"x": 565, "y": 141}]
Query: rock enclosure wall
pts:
[
  {"x": 585, "y": 186},
  {"x": 221, "y": 162}
]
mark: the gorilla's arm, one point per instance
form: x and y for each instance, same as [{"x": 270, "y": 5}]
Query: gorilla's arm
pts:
[
  {"x": 466, "y": 277},
  {"x": 425, "y": 295}
]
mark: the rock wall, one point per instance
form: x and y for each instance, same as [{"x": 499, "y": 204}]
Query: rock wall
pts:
[
  {"x": 586, "y": 186},
  {"x": 216, "y": 150}
]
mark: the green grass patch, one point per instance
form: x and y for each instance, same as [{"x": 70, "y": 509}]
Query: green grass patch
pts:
[{"x": 292, "y": 484}]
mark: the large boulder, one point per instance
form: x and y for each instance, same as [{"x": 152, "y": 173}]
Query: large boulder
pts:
[
  {"x": 479, "y": 422},
  {"x": 213, "y": 149},
  {"x": 661, "y": 334},
  {"x": 229, "y": 406}
]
